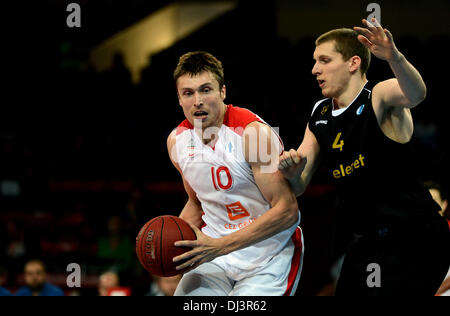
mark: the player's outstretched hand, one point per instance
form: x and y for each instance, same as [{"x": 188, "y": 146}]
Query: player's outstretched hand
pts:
[
  {"x": 378, "y": 39},
  {"x": 204, "y": 249},
  {"x": 291, "y": 164}
]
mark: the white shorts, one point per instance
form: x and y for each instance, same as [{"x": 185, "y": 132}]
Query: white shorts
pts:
[{"x": 280, "y": 276}]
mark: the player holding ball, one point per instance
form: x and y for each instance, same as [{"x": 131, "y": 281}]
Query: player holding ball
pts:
[{"x": 242, "y": 210}]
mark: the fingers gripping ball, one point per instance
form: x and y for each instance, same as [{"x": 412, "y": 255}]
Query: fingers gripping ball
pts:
[{"x": 155, "y": 244}]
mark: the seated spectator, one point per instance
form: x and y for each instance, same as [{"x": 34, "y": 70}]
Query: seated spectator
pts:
[
  {"x": 116, "y": 248},
  {"x": 36, "y": 281},
  {"x": 107, "y": 281},
  {"x": 3, "y": 291}
]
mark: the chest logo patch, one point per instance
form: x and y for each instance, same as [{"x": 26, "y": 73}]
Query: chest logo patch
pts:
[{"x": 360, "y": 109}]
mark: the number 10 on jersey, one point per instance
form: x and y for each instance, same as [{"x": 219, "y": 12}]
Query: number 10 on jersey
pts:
[{"x": 216, "y": 175}]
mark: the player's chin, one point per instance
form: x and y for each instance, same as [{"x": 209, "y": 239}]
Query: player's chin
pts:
[
  {"x": 200, "y": 121},
  {"x": 326, "y": 93}
]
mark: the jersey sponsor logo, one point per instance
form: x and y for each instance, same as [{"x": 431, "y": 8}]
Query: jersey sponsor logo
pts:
[
  {"x": 325, "y": 109},
  {"x": 322, "y": 122},
  {"x": 343, "y": 171},
  {"x": 240, "y": 225},
  {"x": 236, "y": 211},
  {"x": 360, "y": 109}
]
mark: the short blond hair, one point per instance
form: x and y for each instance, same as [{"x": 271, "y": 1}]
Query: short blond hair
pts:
[{"x": 347, "y": 44}]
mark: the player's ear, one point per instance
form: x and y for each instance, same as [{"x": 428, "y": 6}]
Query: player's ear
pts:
[
  {"x": 354, "y": 63},
  {"x": 223, "y": 92}
]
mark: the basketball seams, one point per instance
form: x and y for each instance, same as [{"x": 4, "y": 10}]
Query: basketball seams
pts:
[
  {"x": 161, "y": 247},
  {"x": 179, "y": 229}
]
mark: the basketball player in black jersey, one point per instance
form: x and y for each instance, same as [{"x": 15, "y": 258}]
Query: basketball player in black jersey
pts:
[{"x": 361, "y": 134}]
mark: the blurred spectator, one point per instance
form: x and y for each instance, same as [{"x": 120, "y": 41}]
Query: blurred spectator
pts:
[
  {"x": 116, "y": 248},
  {"x": 440, "y": 197},
  {"x": 164, "y": 286},
  {"x": 3, "y": 291},
  {"x": 36, "y": 281},
  {"x": 15, "y": 247},
  {"x": 109, "y": 285}
]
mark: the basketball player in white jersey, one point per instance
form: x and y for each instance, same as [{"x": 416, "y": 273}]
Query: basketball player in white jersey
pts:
[{"x": 240, "y": 206}]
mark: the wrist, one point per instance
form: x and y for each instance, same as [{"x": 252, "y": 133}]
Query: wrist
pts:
[
  {"x": 396, "y": 58},
  {"x": 225, "y": 245}
]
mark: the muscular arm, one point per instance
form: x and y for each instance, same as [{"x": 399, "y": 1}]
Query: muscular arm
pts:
[
  {"x": 275, "y": 189},
  {"x": 192, "y": 211},
  {"x": 298, "y": 166},
  {"x": 392, "y": 99},
  {"x": 407, "y": 89}
]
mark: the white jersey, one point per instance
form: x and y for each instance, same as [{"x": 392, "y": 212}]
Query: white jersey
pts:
[{"x": 224, "y": 183}]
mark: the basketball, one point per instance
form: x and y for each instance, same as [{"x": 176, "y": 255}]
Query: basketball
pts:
[{"x": 155, "y": 244}]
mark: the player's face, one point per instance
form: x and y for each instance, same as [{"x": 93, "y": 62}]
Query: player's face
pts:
[
  {"x": 330, "y": 69},
  {"x": 201, "y": 99}
]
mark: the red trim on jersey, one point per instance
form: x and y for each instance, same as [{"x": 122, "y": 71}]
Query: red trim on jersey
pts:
[
  {"x": 184, "y": 126},
  {"x": 203, "y": 223},
  {"x": 296, "y": 260},
  {"x": 238, "y": 118},
  {"x": 234, "y": 117}
]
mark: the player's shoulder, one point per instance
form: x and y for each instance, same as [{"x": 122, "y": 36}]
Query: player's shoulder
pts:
[
  {"x": 183, "y": 127},
  {"x": 238, "y": 117},
  {"x": 179, "y": 130}
]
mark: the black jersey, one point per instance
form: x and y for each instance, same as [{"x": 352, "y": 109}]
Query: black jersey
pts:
[{"x": 375, "y": 176}]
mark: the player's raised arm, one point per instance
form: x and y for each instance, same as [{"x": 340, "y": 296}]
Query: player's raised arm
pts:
[
  {"x": 192, "y": 211},
  {"x": 408, "y": 88},
  {"x": 298, "y": 166}
]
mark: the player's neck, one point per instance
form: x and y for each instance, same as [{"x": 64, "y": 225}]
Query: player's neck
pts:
[{"x": 353, "y": 89}]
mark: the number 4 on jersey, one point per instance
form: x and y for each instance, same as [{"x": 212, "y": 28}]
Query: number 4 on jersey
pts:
[{"x": 337, "y": 144}]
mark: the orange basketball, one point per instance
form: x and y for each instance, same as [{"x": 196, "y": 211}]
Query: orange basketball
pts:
[{"x": 155, "y": 244}]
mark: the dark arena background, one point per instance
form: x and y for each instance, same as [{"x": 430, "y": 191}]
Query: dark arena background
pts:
[{"x": 86, "y": 110}]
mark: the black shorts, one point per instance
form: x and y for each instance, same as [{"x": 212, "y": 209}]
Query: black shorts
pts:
[{"x": 411, "y": 259}]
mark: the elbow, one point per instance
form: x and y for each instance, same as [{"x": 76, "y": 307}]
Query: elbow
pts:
[
  {"x": 299, "y": 191},
  {"x": 420, "y": 97},
  {"x": 291, "y": 214}
]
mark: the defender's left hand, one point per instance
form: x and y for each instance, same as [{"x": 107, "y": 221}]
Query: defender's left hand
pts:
[
  {"x": 379, "y": 40},
  {"x": 205, "y": 249}
]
